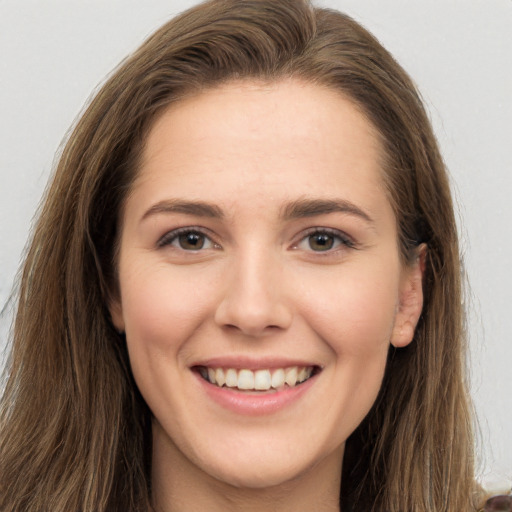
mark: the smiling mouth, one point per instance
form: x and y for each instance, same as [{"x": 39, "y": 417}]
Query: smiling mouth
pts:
[{"x": 258, "y": 380}]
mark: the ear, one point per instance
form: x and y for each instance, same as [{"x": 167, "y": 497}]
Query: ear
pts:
[
  {"x": 410, "y": 300},
  {"x": 116, "y": 314}
]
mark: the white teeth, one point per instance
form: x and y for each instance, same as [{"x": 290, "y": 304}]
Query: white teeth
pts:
[
  {"x": 260, "y": 380},
  {"x": 291, "y": 376},
  {"x": 278, "y": 379},
  {"x": 245, "y": 379},
  {"x": 231, "y": 378},
  {"x": 220, "y": 377},
  {"x": 302, "y": 375}
]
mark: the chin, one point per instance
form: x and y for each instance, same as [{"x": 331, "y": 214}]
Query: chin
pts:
[
  {"x": 272, "y": 468},
  {"x": 261, "y": 476}
]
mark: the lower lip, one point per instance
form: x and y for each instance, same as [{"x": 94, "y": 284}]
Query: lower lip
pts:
[{"x": 257, "y": 403}]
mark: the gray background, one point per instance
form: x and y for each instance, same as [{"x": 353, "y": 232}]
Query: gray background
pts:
[{"x": 54, "y": 53}]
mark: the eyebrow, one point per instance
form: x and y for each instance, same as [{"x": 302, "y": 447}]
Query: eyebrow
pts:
[
  {"x": 197, "y": 208},
  {"x": 303, "y": 208}
]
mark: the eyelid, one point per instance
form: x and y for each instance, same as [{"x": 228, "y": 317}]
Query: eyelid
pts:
[
  {"x": 346, "y": 241},
  {"x": 170, "y": 236}
]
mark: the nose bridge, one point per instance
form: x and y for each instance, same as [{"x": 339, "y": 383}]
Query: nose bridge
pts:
[{"x": 254, "y": 299}]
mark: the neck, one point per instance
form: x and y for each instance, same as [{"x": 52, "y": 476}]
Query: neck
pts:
[{"x": 178, "y": 485}]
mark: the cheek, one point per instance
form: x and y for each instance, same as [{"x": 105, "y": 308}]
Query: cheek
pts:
[
  {"x": 354, "y": 318},
  {"x": 162, "y": 309},
  {"x": 355, "y": 312}
]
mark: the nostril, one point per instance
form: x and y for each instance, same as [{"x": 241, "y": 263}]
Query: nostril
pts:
[
  {"x": 251, "y": 330},
  {"x": 231, "y": 327},
  {"x": 253, "y": 312}
]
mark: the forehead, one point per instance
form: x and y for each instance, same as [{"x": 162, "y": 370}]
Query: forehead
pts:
[
  {"x": 279, "y": 138},
  {"x": 254, "y": 109}
]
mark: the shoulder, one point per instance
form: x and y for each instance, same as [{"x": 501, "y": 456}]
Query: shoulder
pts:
[{"x": 499, "y": 503}]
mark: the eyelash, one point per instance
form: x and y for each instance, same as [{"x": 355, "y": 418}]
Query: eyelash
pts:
[
  {"x": 339, "y": 238},
  {"x": 173, "y": 236}
]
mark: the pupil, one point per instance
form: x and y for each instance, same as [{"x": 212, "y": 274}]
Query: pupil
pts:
[
  {"x": 321, "y": 242},
  {"x": 192, "y": 241}
]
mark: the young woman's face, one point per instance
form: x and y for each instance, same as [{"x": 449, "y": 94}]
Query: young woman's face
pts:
[{"x": 260, "y": 281}]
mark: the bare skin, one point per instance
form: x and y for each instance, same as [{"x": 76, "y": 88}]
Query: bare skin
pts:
[{"x": 258, "y": 241}]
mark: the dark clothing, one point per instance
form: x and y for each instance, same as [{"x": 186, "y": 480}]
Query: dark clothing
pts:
[{"x": 498, "y": 504}]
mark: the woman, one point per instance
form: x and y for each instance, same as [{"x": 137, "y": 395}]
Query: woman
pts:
[{"x": 243, "y": 291}]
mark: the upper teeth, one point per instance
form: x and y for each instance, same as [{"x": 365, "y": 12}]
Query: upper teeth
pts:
[{"x": 260, "y": 380}]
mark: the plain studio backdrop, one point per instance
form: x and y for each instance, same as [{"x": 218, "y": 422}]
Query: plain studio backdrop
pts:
[{"x": 54, "y": 53}]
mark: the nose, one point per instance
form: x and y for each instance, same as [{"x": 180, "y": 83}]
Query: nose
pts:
[{"x": 254, "y": 300}]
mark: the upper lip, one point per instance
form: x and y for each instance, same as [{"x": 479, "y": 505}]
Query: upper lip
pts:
[{"x": 251, "y": 363}]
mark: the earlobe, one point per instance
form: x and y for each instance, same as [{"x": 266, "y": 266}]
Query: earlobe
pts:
[
  {"x": 116, "y": 314},
  {"x": 410, "y": 301}
]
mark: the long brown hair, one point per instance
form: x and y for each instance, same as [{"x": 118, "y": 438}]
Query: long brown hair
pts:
[{"x": 75, "y": 431}]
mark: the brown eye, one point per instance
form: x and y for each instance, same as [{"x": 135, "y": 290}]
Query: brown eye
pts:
[
  {"x": 325, "y": 240},
  {"x": 191, "y": 241},
  {"x": 321, "y": 241},
  {"x": 186, "y": 239}
]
